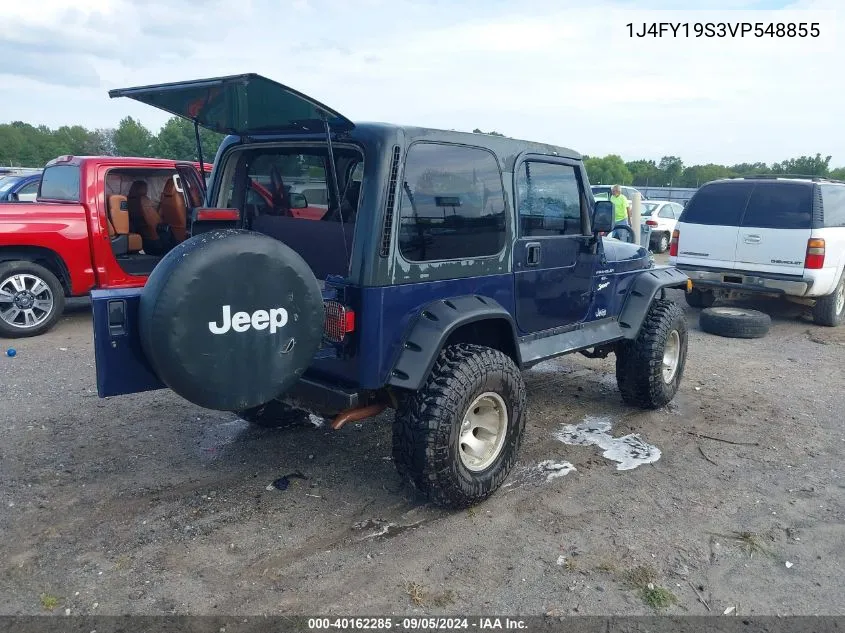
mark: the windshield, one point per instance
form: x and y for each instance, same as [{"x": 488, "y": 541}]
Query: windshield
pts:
[{"x": 7, "y": 182}]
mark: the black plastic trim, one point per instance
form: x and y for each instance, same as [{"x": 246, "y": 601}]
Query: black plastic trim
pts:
[{"x": 642, "y": 293}]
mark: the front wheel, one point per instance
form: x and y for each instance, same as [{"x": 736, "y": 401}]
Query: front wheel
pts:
[
  {"x": 457, "y": 438},
  {"x": 649, "y": 368},
  {"x": 31, "y": 299}
]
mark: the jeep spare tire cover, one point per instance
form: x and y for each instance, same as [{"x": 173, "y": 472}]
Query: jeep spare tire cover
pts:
[{"x": 231, "y": 319}]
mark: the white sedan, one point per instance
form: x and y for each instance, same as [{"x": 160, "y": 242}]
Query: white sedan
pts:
[{"x": 661, "y": 216}]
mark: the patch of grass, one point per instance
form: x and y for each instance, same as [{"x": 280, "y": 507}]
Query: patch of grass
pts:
[
  {"x": 658, "y": 597},
  {"x": 472, "y": 512},
  {"x": 49, "y": 602},
  {"x": 607, "y": 566},
  {"x": 415, "y": 592},
  {"x": 421, "y": 597},
  {"x": 643, "y": 578},
  {"x": 751, "y": 542},
  {"x": 570, "y": 565},
  {"x": 122, "y": 562}
]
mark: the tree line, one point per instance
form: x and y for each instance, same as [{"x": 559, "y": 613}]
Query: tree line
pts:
[{"x": 25, "y": 145}]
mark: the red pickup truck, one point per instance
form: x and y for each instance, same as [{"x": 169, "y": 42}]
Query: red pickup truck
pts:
[{"x": 98, "y": 222}]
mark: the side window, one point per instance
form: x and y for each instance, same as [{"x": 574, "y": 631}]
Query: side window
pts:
[
  {"x": 452, "y": 203},
  {"x": 29, "y": 192},
  {"x": 833, "y": 203},
  {"x": 548, "y": 199},
  {"x": 666, "y": 212}
]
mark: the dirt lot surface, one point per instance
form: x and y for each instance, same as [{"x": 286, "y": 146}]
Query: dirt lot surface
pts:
[{"x": 146, "y": 504}]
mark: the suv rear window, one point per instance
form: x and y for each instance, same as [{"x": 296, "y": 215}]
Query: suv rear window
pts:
[
  {"x": 833, "y": 203},
  {"x": 718, "y": 204},
  {"x": 780, "y": 205},
  {"x": 60, "y": 183}
]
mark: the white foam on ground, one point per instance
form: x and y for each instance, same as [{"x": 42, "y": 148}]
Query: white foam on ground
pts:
[
  {"x": 629, "y": 451},
  {"x": 555, "y": 469}
]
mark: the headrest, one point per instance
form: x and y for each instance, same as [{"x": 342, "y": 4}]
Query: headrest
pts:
[{"x": 138, "y": 189}]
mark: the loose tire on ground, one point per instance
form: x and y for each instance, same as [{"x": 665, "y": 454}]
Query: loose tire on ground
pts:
[
  {"x": 830, "y": 310},
  {"x": 32, "y": 299},
  {"x": 230, "y": 319},
  {"x": 442, "y": 439},
  {"x": 274, "y": 415},
  {"x": 698, "y": 298},
  {"x": 649, "y": 368},
  {"x": 735, "y": 322}
]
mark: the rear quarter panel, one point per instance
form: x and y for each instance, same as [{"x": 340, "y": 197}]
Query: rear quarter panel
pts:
[{"x": 57, "y": 227}]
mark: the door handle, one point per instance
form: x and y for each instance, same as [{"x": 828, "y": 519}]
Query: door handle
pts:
[
  {"x": 753, "y": 239},
  {"x": 532, "y": 257}
]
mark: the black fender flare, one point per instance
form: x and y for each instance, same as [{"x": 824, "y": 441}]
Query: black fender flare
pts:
[
  {"x": 433, "y": 326},
  {"x": 642, "y": 293}
]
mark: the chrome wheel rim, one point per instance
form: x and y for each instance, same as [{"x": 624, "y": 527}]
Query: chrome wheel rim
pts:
[
  {"x": 840, "y": 298},
  {"x": 26, "y": 301},
  {"x": 671, "y": 356},
  {"x": 483, "y": 431}
]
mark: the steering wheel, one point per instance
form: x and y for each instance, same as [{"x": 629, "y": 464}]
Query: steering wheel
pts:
[{"x": 627, "y": 228}]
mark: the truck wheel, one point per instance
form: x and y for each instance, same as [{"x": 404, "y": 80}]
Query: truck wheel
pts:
[
  {"x": 649, "y": 368},
  {"x": 273, "y": 415},
  {"x": 457, "y": 438},
  {"x": 31, "y": 299},
  {"x": 735, "y": 322},
  {"x": 829, "y": 310},
  {"x": 699, "y": 298}
]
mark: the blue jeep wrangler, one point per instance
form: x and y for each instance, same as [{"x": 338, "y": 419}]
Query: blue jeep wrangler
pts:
[{"x": 344, "y": 268}]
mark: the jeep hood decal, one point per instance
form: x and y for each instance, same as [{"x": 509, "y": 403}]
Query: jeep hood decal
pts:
[{"x": 238, "y": 104}]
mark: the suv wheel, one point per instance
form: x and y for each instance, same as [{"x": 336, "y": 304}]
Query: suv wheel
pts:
[
  {"x": 457, "y": 438},
  {"x": 649, "y": 368},
  {"x": 31, "y": 299},
  {"x": 829, "y": 310},
  {"x": 698, "y": 298},
  {"x": 274, "y": 415},
  {"x": 663, "y": 243}
]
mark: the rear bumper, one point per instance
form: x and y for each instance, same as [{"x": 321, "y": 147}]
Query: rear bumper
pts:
[
  {"x": 748, "y": 282},
  {"x": 323, "y": 398}
]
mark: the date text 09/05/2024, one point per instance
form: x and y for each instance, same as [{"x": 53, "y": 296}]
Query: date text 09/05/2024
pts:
[{"x": 724, "y": 29}]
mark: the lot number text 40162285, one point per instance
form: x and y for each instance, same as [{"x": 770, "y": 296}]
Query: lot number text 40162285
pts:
[{"x": 724, "y": 29}]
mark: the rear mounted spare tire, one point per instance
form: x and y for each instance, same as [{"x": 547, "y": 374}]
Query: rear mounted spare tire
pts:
[{"x": 230, "y": 319}]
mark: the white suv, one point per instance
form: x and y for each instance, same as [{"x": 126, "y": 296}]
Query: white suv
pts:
[{"x": 771, "y": 235}]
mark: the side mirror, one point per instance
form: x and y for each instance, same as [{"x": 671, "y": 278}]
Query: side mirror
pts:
[
  {"x": 297, "y": 201},
  {"x": 603, "y": 217}
]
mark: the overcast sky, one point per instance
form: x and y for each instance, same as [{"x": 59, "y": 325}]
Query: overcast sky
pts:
[{"x": 557, "y": 71}]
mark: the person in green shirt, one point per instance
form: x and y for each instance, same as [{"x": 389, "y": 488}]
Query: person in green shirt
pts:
[{"x": 621, "y": 211}]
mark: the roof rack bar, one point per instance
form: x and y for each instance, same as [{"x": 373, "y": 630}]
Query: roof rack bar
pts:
[{"x": 796, "y": 176}]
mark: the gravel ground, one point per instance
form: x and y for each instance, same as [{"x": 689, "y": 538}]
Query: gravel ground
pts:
[{"x": 146, "y": 504}]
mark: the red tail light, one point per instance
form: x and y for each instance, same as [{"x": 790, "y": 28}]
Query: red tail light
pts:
[
  {"x": 815, "y": 254},
  {"x": 340, "y": 321},
  {"x": 673, "y": 245},
  {"x": 651, "y": 222}
]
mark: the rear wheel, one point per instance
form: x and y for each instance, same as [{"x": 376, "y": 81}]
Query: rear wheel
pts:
[
  {"x": 457, "y": 438},
  {"x": 649, "y": 368},
  {"x": 663, "y": 243},
  {"x": 830, "y": 310},
  {"x": 698, "y": 298},
  {"x": 31, "y": 299}
]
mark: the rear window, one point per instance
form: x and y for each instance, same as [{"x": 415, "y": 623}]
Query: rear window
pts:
[
  {"x": 833, "y": 203},
  {"x": 780, "y": 205},
  {"x": 718, "y": 204},
  {"x": 60, "y": 183}
]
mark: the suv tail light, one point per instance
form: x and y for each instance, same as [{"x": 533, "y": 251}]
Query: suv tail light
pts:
[
  {"x": 340, "y": 321},
  {"x": 673, "y": 245},
  {"x": 815, "y": 253},
  {"x": 651, "y": 222}
]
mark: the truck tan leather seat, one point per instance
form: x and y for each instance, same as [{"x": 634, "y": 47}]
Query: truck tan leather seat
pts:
[
  {"x": 174, "y": 211},
  {"x": 143, "y": 217},
  {"x": 118, "y": 219}
]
